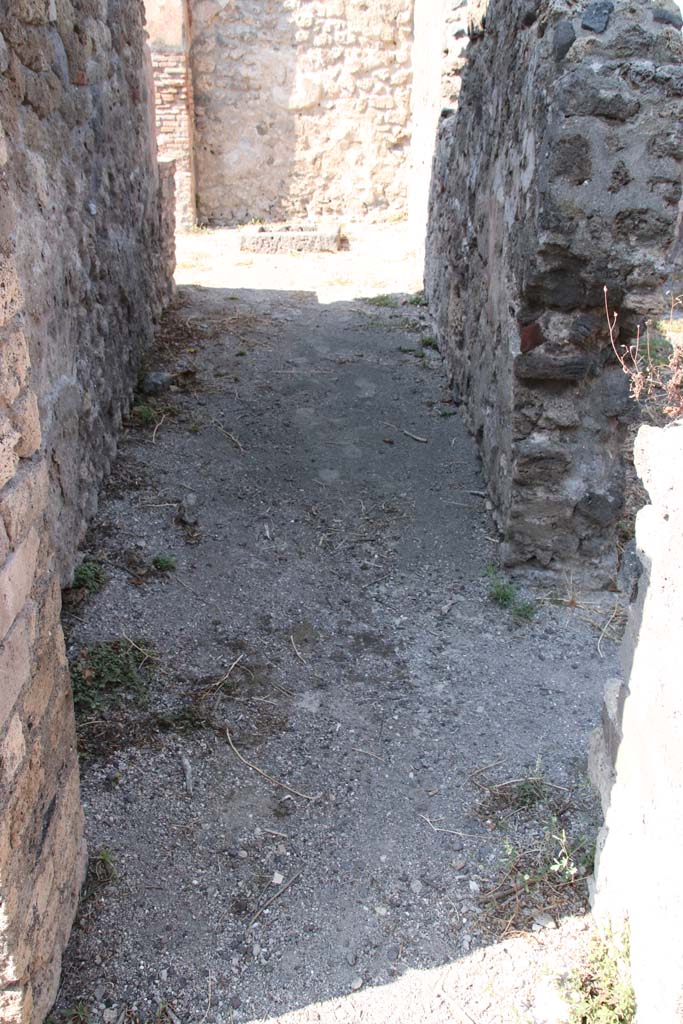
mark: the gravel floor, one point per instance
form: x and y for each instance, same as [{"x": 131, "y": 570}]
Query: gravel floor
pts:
[{"x": 328, "y": 622}]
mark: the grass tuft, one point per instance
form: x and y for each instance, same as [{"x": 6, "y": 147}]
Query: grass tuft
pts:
[
  {"x": 503, "y": 593},
  {"x": 90, "y": 576},
  {"x": 101, "y": 675},
  {"x": 164, "y": 563},
  {"x": 599, "y": 991}
]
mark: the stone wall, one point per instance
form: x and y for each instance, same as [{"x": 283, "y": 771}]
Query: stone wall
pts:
[
  {"x": 81, "y": 270},
  {"x": 636, "y": 757},
  {"x": 173, "y": 99},
  {"x": 301, "y": 108},
  {"x": 558, "y": 173}
]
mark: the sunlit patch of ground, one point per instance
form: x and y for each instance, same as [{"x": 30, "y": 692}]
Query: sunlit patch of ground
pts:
[
  {"x": 381, "y": 258},
  {"x": 518, "y": 981}
]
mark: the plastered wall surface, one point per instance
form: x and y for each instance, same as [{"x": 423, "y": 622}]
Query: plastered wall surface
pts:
[
  {"x": 636, "y": 758},
  {"x": 558, "y": 172},
  {"x": 83, "y": 273},
  {"x": 302, "y": 108}
]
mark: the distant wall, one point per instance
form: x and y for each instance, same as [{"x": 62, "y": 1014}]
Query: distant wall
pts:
[
  {"x": 168, "y": 32},
  {"x": 558, "y": 172},
  {"x": 636, "y": 757},
  {"x": 83, "y": 273},
  {"x": 301, "y": 108}
]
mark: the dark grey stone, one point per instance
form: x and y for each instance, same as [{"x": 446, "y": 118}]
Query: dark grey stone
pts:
[
  {"x": 560, "y": 288},
  {"x": 563, "y": 40},
  {"x": 596, "y": 16},
  {"x": 538, "y": 365},
  {"x": 589, "y": 96},
  {"x": 666, "y": 17},
  {"x": 156, "y": 383},
  {"x": 586, "y": 330},
  {"x": 599, "y": 508},
  {"x": 571, "y": 159}
]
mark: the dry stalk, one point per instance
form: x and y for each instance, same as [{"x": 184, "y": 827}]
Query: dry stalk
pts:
[{"x": 264, "y": 775}]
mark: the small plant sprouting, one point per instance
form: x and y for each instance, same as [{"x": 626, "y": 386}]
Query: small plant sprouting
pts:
[
  {"x": 385, "y": 301},
  {"x": 102, "y": 866},
  {"x": 503, "y": 593},
  {"x": 429, "y": 342},
  {"x": 144, "y": 415},
  {"x": 599, "y": 990},
  {"x": 653, "y": 362},
  {"x": 77, "y": 1014},
  {"x": 418, "y": 299},
  {"x": 90, "y": 576},
  {"x": 100, "y": 675},
  {"x": 164, "y": 563}
]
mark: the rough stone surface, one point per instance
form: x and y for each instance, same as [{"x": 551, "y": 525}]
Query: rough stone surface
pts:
[
  {"x": 295, "y": 239},
  {"x": 173, "y": 99},
  {"x": 83, "y": 273},
  {"x": 558, "y": 173},
  {"x": 637, "y": 754},
  {"x": 302, "y": 108}
]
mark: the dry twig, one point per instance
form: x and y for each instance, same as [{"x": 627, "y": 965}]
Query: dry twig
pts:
[
  {"x": 237, "y": 443},
  {"x": 156, "y": 428},
  {"x": 298, "y": 652},
  {"x": 268, "y": 903},
  {"x": 414, "y": 437},
  {"x": 264, "y": 775}
]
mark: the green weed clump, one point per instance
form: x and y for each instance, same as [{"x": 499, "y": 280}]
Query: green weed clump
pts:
[
  {"x": 103, "y": 674},
  {"x": 503, "y": 593},
  {"x": 164, "y": 563},
  {"x": 144, "y": 415},
  {"x": 600, "y": 990},
  {"x": 90, "y": 576},
  {"x": 385, "y": 301}
]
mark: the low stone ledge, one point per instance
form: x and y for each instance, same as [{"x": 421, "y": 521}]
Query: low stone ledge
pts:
[{"x": 291, "y": 238}]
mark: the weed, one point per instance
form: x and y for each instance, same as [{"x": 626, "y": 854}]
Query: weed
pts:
[
  {"x": 77, "y": 1014},
  {"x": 90, "y": 576},
  {"x": 503, "y": 593},
  {"x": 188, "y": 718},
  {"x": 429, "y": 342},
  {"x": 143, "y": 414},
  {"x": 524, "y": 610},
  {"x": 102, "y": 865},
  {"x": 418, "y": 299},
  {"x": 241, "y": 352},
  {"x": 148, "y": 414},
  {"x": 599, "y": 991},
  {"x": 102, "y": 674},
  {"x": 408, "y": 350},
  {"x": 164, "y": 563},
  {"x": 385, "y": 301},
  {"x": 653, "y": 361}
]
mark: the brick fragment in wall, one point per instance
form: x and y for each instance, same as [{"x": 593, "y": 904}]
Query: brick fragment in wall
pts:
[{"x": 578, "y": 173}]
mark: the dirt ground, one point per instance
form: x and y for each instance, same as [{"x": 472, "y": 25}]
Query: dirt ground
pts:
[{"x": 333, "y": 763}]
